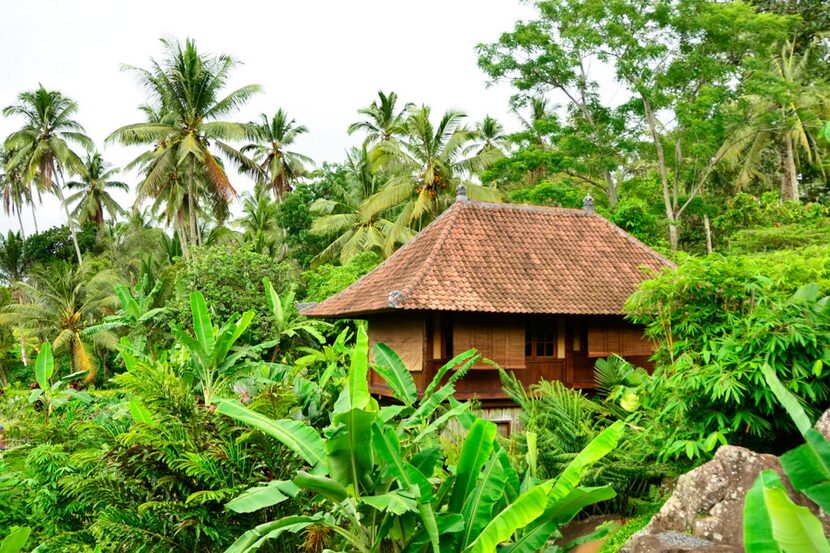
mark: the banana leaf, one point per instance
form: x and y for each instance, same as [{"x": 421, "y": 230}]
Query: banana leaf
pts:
[
  {"x": 295, "y": 435},
  {"x": 391, "y": 368},
  {"x": 773, "y": 523}
]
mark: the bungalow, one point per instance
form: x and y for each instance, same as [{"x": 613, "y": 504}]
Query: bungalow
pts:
[{"x": 537, "y": 290}]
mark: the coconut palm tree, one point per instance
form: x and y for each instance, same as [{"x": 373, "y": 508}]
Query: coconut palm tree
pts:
[
  {"x": 490, "y": 138},
  {"x": 266, "y": 158},
  {"x": 426, "y": 166},
  {"x": 784, "y": 119},
  {"x": 93, "y": 197},
  {"x": 260, "y": 222},
  {"x": 60, "y": 302},
  {"x": 383, "y": 120},
  {"x": 42, "y": 146},
  {"x": 538, "y": 111},
  {"x": 15, "y": 190},
  {"x": 13, "y": 269},
  {"x": 187, "y": 105},
  {"x": 344, "y": 215}
]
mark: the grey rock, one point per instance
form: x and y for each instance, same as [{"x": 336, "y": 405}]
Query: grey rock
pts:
[
  {"x": 707, "y": 504},
  {"x": 823, "y": 424}
]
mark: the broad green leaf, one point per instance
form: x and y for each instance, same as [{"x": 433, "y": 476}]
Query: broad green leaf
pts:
[
  {"x": 808, "y": 468},
  {"x": 541, "y": 530},
  {"x": 44, "y": 366},
  {"x": 15, "y": 540},
  {"x": 773, "y": 523},
  {"x": 396, "y": 502},
  {"x": 528, "y": 507},
  {"x": 599, "y": 447},
  {"x": 273, "y": 301},
  {"x": 439, "y": 422},
  {"x": 322, "y": 485},
  {"x": 254, "y": 538},
  {"x": 468, "y": 357},
  {"x": 477, "y": 448},
  {"x": 358, "y": 379},
  {"x": 259, "y": 497},
  {"x": 350, "y": 452},
  {"x": 387, "y": 446},
  {"x": 444, "y": 524},
  {"x": 295, "y": 435},
  {"x": 140, "y": 413},
  {"x": 202, "y": 326},
  {"x": 391, "y": 368},
  {"x": 787, "y": 400},
  {"x": 478, "y": 507}
]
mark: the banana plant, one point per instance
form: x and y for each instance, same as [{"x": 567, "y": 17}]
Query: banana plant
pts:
[
  {"x": 383, "y": 483},
  {"x": 288, "y": 323},
  {"x": 53, "y": 394},
  {"x": 214, "y": 361},
  {"x": 772, "y": 521},
  {"x": 135, "y": 313}
]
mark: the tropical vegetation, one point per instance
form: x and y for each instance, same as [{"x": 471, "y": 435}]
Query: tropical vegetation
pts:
[{"x": 160, "y": 389}]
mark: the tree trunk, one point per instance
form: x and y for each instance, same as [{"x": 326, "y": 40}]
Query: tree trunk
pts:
[
  {"x": 789, "y": 176},
  {"x": 34, "y": 217},
  {"x": 708, "y": 230},
  {"x": 191, "y": 203},
  {"x": 18, "y": 296},
  {"x": 668, "y": 202},
  {"x": 610, "y": 188},
  {"x": 179, "y": 229},
  {"x": 20, "y": 222},
  {"x": 59, "y": 192}
]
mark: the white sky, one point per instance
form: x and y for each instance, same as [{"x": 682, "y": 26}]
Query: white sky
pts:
[{"x": 320, "y": 60}]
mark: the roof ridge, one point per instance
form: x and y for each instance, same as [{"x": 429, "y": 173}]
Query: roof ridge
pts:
[
  {"x": 635, "y": 241},
  {"x": 529, "y": 207},
  {"x": 436, "y": 245}
]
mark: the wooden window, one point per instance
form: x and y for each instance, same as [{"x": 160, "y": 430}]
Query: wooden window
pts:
[
  {"x": 403, "y": 333},
  {"x": 541, "y": 338},
  {"x": 441, "y": 336},
  {"x": 623, "y": 339},
  {"x": 500, "y": 339}
]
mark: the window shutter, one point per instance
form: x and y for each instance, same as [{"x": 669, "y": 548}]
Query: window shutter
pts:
[
  {"x": 622, "y": 340},
  {"x": 404, "y": 334},
  {"x": 502, "y": 341}
]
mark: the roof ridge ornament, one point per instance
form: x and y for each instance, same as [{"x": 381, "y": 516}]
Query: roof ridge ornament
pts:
[
  {"x": 461, "y": 193},
  {"x": 588, "y": 203},
  {"x": 394, "y": 298}
]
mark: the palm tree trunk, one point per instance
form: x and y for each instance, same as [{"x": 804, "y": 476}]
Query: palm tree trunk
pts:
[
  {"x": 789, "y": 178},
  {"x": 59, "y": 193},
  {"x": 191, "y": 204},
  {"x": 18, "y": 297},
  {"x": 34, "y": 217},
  {"x": 20, "y": 222},
  {"x": 179, "y": 229}
]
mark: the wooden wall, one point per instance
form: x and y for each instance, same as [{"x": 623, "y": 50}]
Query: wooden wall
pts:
[{"x": 426, "y": 341}]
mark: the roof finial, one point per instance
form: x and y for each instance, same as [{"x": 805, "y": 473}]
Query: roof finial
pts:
[
  {"x": 461, "y": 193},
  {"x": 588, "y": 204}
]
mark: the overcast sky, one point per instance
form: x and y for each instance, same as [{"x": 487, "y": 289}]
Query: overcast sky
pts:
[{"x": 320, "y": 60}]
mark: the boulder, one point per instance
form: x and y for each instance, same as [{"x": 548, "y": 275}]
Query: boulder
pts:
[{"x": 705, "y": 511}]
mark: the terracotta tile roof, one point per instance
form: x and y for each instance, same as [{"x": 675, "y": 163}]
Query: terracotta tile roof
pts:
[{"x": 504, "y": 258}]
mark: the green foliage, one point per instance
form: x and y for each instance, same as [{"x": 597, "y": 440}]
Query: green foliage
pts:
[
  {"x": 772, "y": 521},
  {"x": 560, "y": 422},
  {"x": 56, "y": 244},
  {"x": 717, "y": 322},
  {"x": 371, "y": 470},
  {"x": 324, "y": 281},
  {"x": 548, "y": 193},
  {"x": 617, "y": 538},
  {"x": 230, "y": 278}
]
